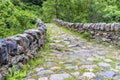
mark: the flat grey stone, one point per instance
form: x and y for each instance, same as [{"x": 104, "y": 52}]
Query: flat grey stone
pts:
[
  {"x": 97, "y": 78},
  {"x": 44, "y": 72},
  {"x": 59, "y": 47},
  {"x": 117, "y": 57},
  {"x": 31, "y": 79},
  {"x": 76, "y": 74},
  {"x": 74, "y": 56},
  {"x": 88, "y": 75},
  {"x": 39, "y": 69},
  {"x": 1, "y": 77},
  {"x": 72, "y": 67},
  {"x": 16, "y": 67},
  {"x": 88, "y": 67},
  {"x": 49, "y": 63},
  {"x": 107, "y": 60},
  {"x": 56, "y": 52},
  {"x": 117, "y": 66},
  {"x": 90, "y": 58},
  {"x": 68, "y": 64},
  {"x": 52, "y": 45},
  {"x": 57, "y": 41},
  {"x": 103, "y": 64},
  {"x": 72, "y": 45},
  {"x": 55, "y": 68},
  {"x": 62, "y": 71},
  {"x": 43, "y": 78},
  {"x": 83, "y": 53},
  {"x": 108, "y": 74},
  {"x": 101, "y": 54},
  {"x": 59, "y": 76},
  {"x": 86, "y": 63}
]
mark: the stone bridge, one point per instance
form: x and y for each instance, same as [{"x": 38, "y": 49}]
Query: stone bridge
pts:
[{"x": 69, "y": 57}]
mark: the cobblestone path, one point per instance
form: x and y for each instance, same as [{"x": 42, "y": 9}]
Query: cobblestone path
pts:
[{"x": 73, "y": 58}]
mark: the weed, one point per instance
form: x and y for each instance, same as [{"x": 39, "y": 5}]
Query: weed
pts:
[
  {"x": 16, "y": 74},
  {"x": 70, "y": 78},
  {"x": 85, "y": 35},
  {"x": 82, "y": 71}
]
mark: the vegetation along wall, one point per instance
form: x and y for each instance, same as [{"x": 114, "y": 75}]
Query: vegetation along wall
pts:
[
  {"x": 108, "y": 32},
  {"x": 21, "y": 47}
]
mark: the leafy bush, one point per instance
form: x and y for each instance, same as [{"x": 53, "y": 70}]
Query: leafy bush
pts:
[
  {"x": 13, "y": 19},
  {"x": 82, "y": 10}
]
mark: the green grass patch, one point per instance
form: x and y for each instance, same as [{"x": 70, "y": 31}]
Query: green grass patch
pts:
[
  {"x": 103, "y": 43},
  {"x": 20, "y": 74},
  {"x": 97, "y": 69},
  {"x": 82, "y": 71},
  {"x": 85, "y": 35},
  {"x": 16, "y": 74},
  {"x": 70, "y": 78},
  {"x": 97, "y": 61}
]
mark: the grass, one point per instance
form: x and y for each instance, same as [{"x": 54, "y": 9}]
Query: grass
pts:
[
  {"x": 21, "y": 74},
  {"x": 97, "y": 61},
  {"x": 97, "y": 69},
  {"x": 81, "y": 71},
  {"x": 32, "y": 63},
  {"x": 70, "y": 78},
  {"x": 85, "y": 35},
  {"x": 62, "y": 43},
  {"x": 16, "y": 75}
]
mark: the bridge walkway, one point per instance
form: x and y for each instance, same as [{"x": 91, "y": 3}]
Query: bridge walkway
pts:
[{"x": 72, "y": 58}]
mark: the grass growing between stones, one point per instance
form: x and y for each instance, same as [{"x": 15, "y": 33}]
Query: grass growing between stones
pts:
[
  {"x": 16, "y": 74},
  {"x": 70, "y": 78},
  {"x": 20, "y": 74},
  {"x": 85, "y": 35}
]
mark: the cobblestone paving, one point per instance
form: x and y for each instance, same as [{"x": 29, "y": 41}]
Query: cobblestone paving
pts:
[{"x": 73, "y": 58}]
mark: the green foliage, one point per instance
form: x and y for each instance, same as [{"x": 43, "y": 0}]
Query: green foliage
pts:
[
  {"x": 16, "y": 74},
  {"x": 13, "y": 19},
  {"x": 85, "y": 35},
  {"x": 48, "y": 10},
  {"x": 112, "y": 13},
  {"x": 56, "y": 9},
  {"x": 82, "y": 10},
  {"x": 36, "y": 2},
  {"x": 19, "y": 15},
  {"x": 20, "y": 74},
  {"x": 70, "y": 78}
]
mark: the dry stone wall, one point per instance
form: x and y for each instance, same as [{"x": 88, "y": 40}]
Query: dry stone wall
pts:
[
  {"x": 108, "y": 32},
  {"x": 17, "y": 50}
]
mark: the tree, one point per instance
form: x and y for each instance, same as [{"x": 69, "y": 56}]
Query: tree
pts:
[
  {"x": 36, "y": 2},
  {"x": 82, "y": 10}
]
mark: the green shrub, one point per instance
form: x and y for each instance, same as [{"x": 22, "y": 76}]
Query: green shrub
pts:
[{"x": 13, "y": 19}]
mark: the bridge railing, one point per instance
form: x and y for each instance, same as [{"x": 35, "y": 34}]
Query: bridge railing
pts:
[{"x": 107, "y": 32}]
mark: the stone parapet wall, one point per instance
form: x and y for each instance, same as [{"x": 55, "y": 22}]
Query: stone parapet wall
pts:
[
  {"x": 108, "y": 32},
  {"x": 18, "y": 49}
]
